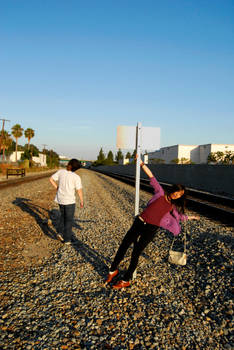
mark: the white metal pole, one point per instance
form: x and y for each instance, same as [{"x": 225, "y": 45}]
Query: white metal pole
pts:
[{"x": 137, "y": 181}]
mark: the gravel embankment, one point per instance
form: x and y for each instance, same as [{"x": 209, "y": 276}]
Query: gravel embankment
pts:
[{"x": 53, "y": 296}]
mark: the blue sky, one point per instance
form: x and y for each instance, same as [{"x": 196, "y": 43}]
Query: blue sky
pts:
[{"x": 75, "y": 70}]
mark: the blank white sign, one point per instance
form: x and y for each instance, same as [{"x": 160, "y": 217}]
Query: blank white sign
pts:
[{"x": 126, "y": 137}]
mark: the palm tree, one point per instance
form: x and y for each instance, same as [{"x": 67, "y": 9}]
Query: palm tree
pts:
[
  {"x": 29, "y": 134},
  {"x": 17, "y": 132},
  {"x": 6, "y": 142}
]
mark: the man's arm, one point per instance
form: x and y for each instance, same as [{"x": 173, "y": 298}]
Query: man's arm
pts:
[
  {"x": 53, "y": 183},
  {"x": 80, "y": 194}
]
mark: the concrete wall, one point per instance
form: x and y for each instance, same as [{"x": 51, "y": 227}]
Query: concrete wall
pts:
[{"x": 218, "y": 179}]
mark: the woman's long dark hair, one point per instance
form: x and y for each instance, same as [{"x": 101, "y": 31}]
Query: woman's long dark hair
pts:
[{"x": 180, "y": 202}]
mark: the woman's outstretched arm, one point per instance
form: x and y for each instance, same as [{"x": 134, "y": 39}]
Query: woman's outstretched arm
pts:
[
  {"x": 158, "y": 190},
  {"x": 146, "y": 169}
]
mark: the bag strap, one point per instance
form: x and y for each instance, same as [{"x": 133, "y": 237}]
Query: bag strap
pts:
[{"x": 184, "y": 242}]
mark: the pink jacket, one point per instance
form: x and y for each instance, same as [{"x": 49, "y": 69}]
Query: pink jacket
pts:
[{"x": 169, "y": 222}]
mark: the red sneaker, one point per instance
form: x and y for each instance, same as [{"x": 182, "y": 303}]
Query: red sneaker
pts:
[
  {"x": 111, "y": 275},
  {"x": 121, "y": 284}
]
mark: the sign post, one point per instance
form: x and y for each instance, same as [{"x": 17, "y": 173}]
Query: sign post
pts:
[
  {"x": 129, "y": 137},
  {"x": 137, "y": 181}
]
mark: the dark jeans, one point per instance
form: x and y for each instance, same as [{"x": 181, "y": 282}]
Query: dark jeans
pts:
[
  {"x": 146, "y": 233},
  {"x": 66, "y": 220}
]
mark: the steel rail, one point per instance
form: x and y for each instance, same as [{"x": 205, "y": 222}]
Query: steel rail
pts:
[{"x": 19, "y": 181}]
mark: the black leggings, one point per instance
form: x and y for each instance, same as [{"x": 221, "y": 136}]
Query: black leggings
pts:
[{"x": 146, "y": 233}]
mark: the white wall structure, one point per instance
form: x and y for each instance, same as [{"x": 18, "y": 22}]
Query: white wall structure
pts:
[
  {"x": 12, "y": 156},
  {"x": 205, "y": 150},
  {"x": 40, "y": 160},
  {"x": 124, "y": 161},
  {"x": 194, "y": 153}
]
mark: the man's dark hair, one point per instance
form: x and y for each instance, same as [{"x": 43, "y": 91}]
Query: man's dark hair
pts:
[{"x": 73, "y": 165}]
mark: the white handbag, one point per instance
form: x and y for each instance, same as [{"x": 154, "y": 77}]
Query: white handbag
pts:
[{"x": 178, "y": 258}]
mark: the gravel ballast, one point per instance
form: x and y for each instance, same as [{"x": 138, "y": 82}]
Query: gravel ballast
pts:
[{"x": 53, "y": 295}]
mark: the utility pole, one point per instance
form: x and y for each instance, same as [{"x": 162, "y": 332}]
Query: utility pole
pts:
[
  {"x": 2, "y": 133},
  {"x": 50, "y": 157}
]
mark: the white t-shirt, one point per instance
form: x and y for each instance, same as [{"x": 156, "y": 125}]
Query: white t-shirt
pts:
[{"x": 68, "y": 183}]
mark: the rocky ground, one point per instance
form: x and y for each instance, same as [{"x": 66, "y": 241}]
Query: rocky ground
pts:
[{"x": 53, "y": 296}]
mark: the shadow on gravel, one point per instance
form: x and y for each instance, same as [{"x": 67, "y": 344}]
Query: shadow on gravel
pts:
[
  {"x": 77, "y": 221},
  {"x": 38, "y": 213},
  {"x": 91, "y": 256}
]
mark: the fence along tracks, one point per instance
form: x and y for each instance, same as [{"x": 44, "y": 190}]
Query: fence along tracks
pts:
[{"x": 217, "y": 207}]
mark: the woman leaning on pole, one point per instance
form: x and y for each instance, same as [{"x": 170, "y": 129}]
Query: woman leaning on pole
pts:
[{"x": 164, "y": 210}]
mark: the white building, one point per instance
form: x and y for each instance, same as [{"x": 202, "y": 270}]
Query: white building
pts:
[
  {"x": 187, "y": 153},
  {"x": 40, "y": 160},
  {"x": 125, "y": 161},
  {"x": 12, "y": 157}
]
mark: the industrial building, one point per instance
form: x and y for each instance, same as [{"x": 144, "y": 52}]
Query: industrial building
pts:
[{"x": 196, "y": 154}]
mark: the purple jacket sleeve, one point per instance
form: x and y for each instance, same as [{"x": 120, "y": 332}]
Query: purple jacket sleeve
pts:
[
  {"x": 158, "y": 190},
  {"x": 178, "y": 216}
]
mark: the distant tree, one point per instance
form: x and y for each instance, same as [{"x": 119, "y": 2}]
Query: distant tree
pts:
[
  {"x": 101, "y": 157},
  {"x": 10, "y": 149},
  {"x": 26, "y": 155},
  {"x": 219, "y": 156},
  {"x": 29, "y": 134},
  {"x": 157, "y": 161},
  {"x": 184, "y": 160},
  {"x": 119, "y": 156},
  {"x": 128, "y": 155},
  {"x": 211, "y": 158},
  {"x": 6, "y": 142},
  {"x": 110, "y": 158},
  {"x": 134, "y": 154},
  {"x": 232, "y": 158},
  {"x": 228, "y": 157},
  {"x": 52, "y": 158},
  {"x": 33, "y": 151},
  {"x": 17, "y": 132},
  {"x": 175, "y": 161}
]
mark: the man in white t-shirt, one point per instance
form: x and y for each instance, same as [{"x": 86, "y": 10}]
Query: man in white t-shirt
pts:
[{"x": 67, "y": 183}]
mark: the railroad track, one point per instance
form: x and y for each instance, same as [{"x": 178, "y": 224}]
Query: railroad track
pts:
[
  {"x": 217, "y": 207},
  {"x": 28, "y": 178}
]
